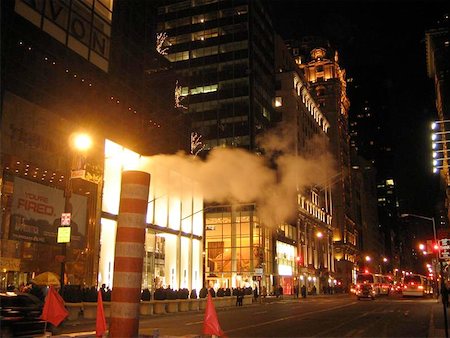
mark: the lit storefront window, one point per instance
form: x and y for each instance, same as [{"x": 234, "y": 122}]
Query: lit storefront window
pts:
[
  {"x": 174, "y": 204},
  {"x": 285, "y": 258},
  {"x": 237, "y": 248}
]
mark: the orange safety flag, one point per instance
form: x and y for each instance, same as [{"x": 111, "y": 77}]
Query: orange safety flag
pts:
[
  {"x": 100, "y": 324},
  {"x": 54, "y": 310},
  {"x": 211, "y": 323}
]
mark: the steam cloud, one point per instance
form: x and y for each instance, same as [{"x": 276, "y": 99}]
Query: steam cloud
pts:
[{"x": 233, "y": 175}]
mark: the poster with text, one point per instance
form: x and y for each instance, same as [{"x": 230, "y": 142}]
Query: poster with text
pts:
[{"x": 36, "y": 213}]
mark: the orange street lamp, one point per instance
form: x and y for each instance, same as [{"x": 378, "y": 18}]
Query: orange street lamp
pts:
[{"x": 80, "y": 142}]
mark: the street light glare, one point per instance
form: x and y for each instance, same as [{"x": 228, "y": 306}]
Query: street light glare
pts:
[
  {"x": 82, "y": 142},
  {"x": 433, "y": 125}
]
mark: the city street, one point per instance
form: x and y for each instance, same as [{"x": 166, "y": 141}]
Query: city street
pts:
[{"x": 321, "y": 316}]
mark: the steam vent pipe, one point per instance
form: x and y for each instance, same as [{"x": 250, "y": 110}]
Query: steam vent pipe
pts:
[{"x": 129, "y": 255}]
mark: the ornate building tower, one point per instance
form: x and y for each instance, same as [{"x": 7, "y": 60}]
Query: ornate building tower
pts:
[{"x": 320, "y": 64}]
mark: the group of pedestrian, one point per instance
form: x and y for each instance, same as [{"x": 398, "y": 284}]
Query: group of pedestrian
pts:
[
  {"x": 279, "y": 291},
  {"x": 300, "y": 291}
]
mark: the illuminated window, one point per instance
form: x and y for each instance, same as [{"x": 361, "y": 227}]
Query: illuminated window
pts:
[
  {"x": 206, "y": 34},
  {"x": 390, "y": 182},
  {"x": 278, "y": 101},
  {"x": 181, "y": 56},
  {"x": 204, "y": 89}
]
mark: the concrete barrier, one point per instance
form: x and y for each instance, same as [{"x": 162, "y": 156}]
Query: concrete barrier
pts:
[
  {"x": 194, "y": 304},
  {"x": 202, "y": 304},
  {"x": 90, "y": 310},
  {"x": 183, "y": 305},
  {"x": 74, "y": 310},
  {"x": 172, "y": 305},
  {"x": 159, "y": 307},
  {"x": 146, "y": 308}
]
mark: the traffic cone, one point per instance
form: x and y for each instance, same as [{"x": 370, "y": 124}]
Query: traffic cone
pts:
[
  {"x": 100, "y": 323},
  {"x": 211, "y": 323}
]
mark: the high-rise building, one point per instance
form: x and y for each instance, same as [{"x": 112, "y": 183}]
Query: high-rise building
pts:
[
  {"x": 223, "y": 53},
  {"x": 438, "y": 68},
  {"x": 305, "y": 131},
  {"x": 320, "y": 64},
  {"x": 85, "y": 66},
  {"x": 370, "y": 139}
]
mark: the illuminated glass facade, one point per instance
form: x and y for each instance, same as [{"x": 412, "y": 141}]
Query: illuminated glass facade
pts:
[
  {"x": 237, "y": 247},
  {"x": 173, "y": 244}
]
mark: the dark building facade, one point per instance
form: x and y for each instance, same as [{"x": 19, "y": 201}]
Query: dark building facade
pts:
[
  {"x": 65, "y": 68},
  {"x": 437, "y": 41},
  {"x": 223, "y": 54}
]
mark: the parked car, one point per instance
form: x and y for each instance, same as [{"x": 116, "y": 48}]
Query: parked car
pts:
[{"x": 20, "y": 314}]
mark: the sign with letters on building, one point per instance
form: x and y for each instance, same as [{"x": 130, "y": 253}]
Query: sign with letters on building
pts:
[
  {"x": 36, "y": 213},
  {"x": 83, "y": 29},
  {"x": 444, "y": 248}
]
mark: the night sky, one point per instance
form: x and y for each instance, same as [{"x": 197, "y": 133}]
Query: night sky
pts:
[{"x": 381, "y": 46}]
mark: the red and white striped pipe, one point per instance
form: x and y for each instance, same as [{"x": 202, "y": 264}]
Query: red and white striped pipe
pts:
[{"x": 129, "y": 255}]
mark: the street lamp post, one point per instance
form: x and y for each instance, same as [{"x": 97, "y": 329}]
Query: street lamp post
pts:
[
  {"x": 80, "y": 142},
  {"x": 437, "y": 259}
]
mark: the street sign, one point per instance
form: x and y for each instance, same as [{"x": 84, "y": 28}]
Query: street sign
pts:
[
  {"x": 444, "y": 248},
  {"x": 65, "y": 218},
  {"x": 78, "y": 174},
  {"x": 258, "y": 271},
  {"x": 63, "y": 235}
]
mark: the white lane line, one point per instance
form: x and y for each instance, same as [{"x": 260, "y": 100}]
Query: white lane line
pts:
[
  {"x": 290, "y": 317},
  {"x": 258, "y": 313},
  {"x": 194, "y": 323}
]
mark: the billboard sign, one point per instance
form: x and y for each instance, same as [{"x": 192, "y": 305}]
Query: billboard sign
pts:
[{"x": 36, "y": 213}]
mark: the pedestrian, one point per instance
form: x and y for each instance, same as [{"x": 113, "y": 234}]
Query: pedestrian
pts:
[
  {"x": 444, "y": 294},
  {"x": 264, "y": 291},
  {"x": 280, "y": 291},
  {"x": 314, "y": 290},
  {"x": 296, "y": 291},
  {"x": 255, "y": 293},
  {"x": 303, "y": 291},
  {"x": 240, "y": 296}
]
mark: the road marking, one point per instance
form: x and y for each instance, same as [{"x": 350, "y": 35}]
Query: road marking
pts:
[
  {"x": 258, "y": 313},
  {"x": 324, "y": 333},
  {"x": 194, "y": 323},
  {"x": 290, "y": 317}
]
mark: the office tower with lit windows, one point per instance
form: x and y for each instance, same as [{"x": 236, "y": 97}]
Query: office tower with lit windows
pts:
[{"x": 223, "y": 53}]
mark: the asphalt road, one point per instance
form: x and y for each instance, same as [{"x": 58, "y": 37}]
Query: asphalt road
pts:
[{"x": 326, "y": 316}]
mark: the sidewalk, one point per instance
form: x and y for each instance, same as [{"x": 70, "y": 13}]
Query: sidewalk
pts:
[{"x": 437, "y": 320}]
